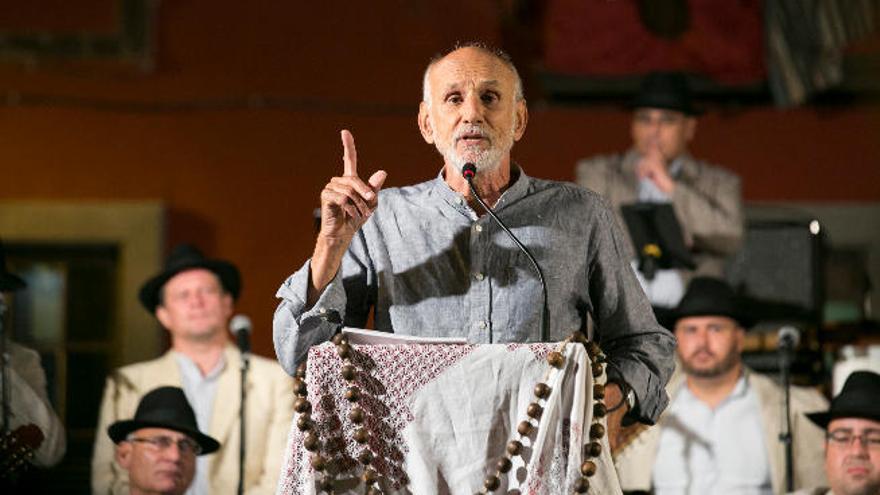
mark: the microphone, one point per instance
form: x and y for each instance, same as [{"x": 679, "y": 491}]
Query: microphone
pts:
[
  {"x": 469, "y": 171},
  {"x": 240, "y": 325},
  {"x": 788, "y": 338}
]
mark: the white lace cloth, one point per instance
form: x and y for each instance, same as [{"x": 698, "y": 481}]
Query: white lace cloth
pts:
[{"x": 440, "y": 417}]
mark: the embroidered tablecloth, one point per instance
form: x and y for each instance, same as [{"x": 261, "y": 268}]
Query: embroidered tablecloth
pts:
[{"x": 440, "y": 416}]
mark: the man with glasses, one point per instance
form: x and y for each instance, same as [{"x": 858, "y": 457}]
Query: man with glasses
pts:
[
  {"x": 158, "y": 447},
  {"x": 659, "y": 169},
  {"x": 852, "y": 440},
  {"x": 720, "y": 433}
]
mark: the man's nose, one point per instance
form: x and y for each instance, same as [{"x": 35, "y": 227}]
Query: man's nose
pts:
[{"x": 472, "y": 109}]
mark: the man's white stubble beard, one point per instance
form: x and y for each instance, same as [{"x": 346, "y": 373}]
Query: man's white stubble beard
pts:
[{"x": 485, "y": 159}]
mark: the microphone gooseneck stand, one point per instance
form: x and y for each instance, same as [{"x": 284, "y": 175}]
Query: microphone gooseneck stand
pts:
[
  {"x": 786, "y": 352},
  {"x": 245, "y": 347},
  {"x": 469, "y": 171}
]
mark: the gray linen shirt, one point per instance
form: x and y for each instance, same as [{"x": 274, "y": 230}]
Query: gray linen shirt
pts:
[{"x": 428, "y": 266}]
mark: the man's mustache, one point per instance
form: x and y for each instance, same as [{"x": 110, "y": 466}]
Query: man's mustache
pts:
[
  {"x": 702, "y": 351},
  {"x": 470, "y": 132}
]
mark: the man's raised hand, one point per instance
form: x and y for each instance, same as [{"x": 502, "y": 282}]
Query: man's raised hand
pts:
[{"x": 347, "y": 201}]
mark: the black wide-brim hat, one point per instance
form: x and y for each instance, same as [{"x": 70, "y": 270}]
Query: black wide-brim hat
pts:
[
  {"x": 8, "y": 281},
  {"x": 667, "y": 90},
  {"x": 707, "y": 296},
  {"x": 186, "y": 257},
  {"x": 164, "y": 407},
  {"x": 859, "y": 398}
]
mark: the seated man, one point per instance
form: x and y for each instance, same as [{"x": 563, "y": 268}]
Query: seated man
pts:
[
  {"x": 158, "y": 447},
  {"x": 720, "y": 433},
  {"x": 852, "y": 441},
  {"x": 658, "y": 169}
]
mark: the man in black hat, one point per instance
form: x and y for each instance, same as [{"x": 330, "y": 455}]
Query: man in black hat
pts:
[
  {"x": 658, "y": 169},
  {"x": 158, "y": 447},
  {"x": 193, "y": 297},
  {"x": 852, "y": 438},
  {"x": 29, "y": 427},
  {"x": 720, "y": 433}
]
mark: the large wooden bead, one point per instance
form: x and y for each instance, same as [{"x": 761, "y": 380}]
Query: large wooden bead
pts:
[
  {"x": 370, "y": 476},
  {"x": 597, "y": 370},
  {"x": 514, "y": 447},
  {"x": 542, "y": 391},
  {"x": 301, "y": 405},
  {"x": 310, "y": 442},
  {"x": 343, "y": 350},
  {"x": 524, "y": 428},
  {"x": 588, "y": 468},
  {"x": 300, "y": 371},
  {"x": 352, "y": 394},
  {"x": 593, "y": 349},
  {"x": 592, "y": 449},
  {"x": 599, "y": 410},
  {"x": 534, "y": 411},
  {"x": 365, "y": 457},
  {"x": 582, "y": 485},
  {"x": 356, "y": 415},
  {"x": 504, "y": 464},
  {"x": 597, "y": 431},
  {"x": 304, "y": 422},
  {"x": 556, "y": 359},
  {"x": 299, "y": 387},
  {"x": 599, "y": 391},
  {"x": 349, "y": 372},
  {"x": 491, "y": 482},
  {"x": 361, "y": 436},
  {"x": 318, "y": 462},
  {"x": 339, "y": 339}
]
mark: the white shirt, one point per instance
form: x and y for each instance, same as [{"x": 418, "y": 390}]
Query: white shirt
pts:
[
  {"x": 719, "y": 451},
  {"x": 200, "y": 392}
]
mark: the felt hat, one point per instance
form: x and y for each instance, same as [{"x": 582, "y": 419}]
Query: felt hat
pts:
[
  {"x": 707, "y": 296},
  {"x": 859, "y": 398},
  {"x": 186, "y": 257},
  {"x": 667, "y": 90},
  {"x": 164, "y": 407}
]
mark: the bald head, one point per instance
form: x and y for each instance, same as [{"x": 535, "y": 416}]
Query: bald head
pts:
[{"x": 498, "y": 55}]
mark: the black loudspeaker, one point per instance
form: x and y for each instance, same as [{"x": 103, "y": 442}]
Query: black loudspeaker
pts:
[{"x": 778, "y": 270}]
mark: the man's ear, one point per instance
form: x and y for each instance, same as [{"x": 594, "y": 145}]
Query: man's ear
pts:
[
  {"x": 690, "y": 128},
  {"x": 425, "y": 123},
  {"x": 522, "y": 119},
  {"x": 123, "y": 454},
  {"x": 163, "y": 316}
]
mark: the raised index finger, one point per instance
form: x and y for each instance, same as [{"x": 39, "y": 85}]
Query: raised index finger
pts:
[{"x": 349, "y": 154}]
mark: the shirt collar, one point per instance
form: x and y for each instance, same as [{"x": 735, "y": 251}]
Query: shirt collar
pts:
[
  {"x": 516, "y": 191},
  {"x": 190, "y": 368}
]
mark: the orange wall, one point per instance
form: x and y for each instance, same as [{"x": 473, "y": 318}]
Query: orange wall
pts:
[{"x": 242, "y": 183}]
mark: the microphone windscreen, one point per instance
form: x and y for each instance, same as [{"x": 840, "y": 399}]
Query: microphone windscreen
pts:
[
  {"x": 789, "y": 335},
  {"x": 240, "y": 323},
  {"x": 469, "y": 170}
]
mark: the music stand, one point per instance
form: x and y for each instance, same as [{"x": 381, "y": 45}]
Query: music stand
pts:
[{"x": 657, "y": 237}]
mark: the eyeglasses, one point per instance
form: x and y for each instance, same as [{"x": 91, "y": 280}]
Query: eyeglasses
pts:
[
  {"x": 844, "y": 438},
  {"x": 184, "y": 445}
]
